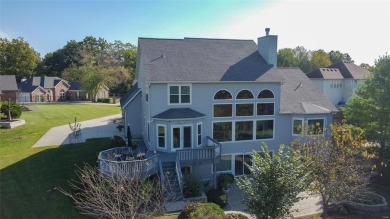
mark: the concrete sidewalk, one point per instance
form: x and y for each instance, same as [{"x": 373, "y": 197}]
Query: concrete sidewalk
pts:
[{"x": 95, "y": 128}]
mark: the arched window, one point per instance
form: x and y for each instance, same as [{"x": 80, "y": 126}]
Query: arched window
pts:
[
  {"x": 265, "y": 94},
  {"x": 223, "y": 95},
  {"x": 245, "y": 94}
]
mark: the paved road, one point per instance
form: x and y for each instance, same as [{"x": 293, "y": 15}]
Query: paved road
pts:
[{"x": 95, "y": 128}]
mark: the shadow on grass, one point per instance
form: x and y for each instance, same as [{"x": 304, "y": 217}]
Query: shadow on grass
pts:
[{"x": 27, "y": 188}]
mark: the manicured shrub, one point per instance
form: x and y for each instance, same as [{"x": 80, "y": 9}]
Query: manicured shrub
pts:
[
  {"x": 16, "y": 109},
  {"x": 225, "y": 179},
  {"x": 103, "y": 100},
  {"x": 236, "y": 216},
  {"x": 202, "y": 210},
  {"x": 218, "y": 197}
]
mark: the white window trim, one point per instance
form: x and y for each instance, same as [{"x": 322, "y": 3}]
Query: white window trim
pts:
[
  {"x": 179, "y": 85},
  {"x": 182, "y": 136},
  {"x": 233, "y": 130},
  {"x": 273, "y": 134},
  {"x": 165, "y": 136},
  {"x": 233, "y": 109},
  {"x": 223, "y": 99},
  {"x": 197, "y": 134},
  {"x": 265, "y": 102},
  {"x": 253, "y": 109},
  {"x": 247, "y": 98},
  {"x": 316, "y": 118},
  {"x": 253, "y": 130},
  {"x": 265, "y": 98},
  {"x": 292, "y": 126}
]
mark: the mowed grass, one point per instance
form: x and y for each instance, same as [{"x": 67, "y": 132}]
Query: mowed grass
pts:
[{"x": 29, "y": 176}]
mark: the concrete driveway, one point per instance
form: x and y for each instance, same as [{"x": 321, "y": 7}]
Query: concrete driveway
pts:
[{"x": 95, "y": 128}]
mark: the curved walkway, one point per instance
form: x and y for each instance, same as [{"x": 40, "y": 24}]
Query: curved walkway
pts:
[{"x": 95, "y": 128}]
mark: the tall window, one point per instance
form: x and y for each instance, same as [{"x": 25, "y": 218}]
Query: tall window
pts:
[
  {"x": 179, "y": 94},
  {"x": 244, "y": 130},
  {"x": 245, "y": 94},
  {"x": 245, "y": 109},
  {"x": 161, "y": 143},
  {"x": 265, "y": 94},
  {"x": 223, "y": 95},
  {"x": 222, "y": 131},
  {"x": 316, "y": 126},
  {"x": 62, "y": 94},
  {"x": 265, "y": 129},
  {"x": 297, "y": 126},
  {"x": 265, "y": 109},
  {"x": 199, "y": 134},
  {"x": 223, "y": 110}
]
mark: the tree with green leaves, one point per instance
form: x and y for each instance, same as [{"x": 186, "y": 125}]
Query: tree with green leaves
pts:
[
  {"x": 337, "y": 162},
  {"x": 320, "y": 59},
  {"x": 287, "y": 58},
  {"x": 275, "y": 183},
  {"x": 17, "y": 58},
  {"x": 369, "y": 107},
  {"x": 335, "y": 56}
]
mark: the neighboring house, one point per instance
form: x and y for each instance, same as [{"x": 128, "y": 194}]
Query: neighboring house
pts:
[
  {"x": 8, "y": 88},
  {"x": 194, "y": 93},
  {"x": 42, "y": 89},
  {"x": 339, "y": 81},
  {"x": 75, "y": 92}
]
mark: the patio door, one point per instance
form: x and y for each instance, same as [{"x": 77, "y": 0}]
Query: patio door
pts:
[
  {"x": 181, "y": 137},
  {"x": 239, "y": 164}
]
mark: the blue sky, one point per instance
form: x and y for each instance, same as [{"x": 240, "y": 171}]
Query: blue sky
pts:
[{"x": 361, "y": 28}]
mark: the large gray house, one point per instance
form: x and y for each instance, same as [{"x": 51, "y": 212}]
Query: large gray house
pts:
[{"x": 205, "y": 104}]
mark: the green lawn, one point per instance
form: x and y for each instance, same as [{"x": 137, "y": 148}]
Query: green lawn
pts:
[{"x": 29, "y": 176}]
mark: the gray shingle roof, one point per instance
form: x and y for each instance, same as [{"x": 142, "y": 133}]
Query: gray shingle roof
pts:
[
  {"x": 179, "y": 113},
  {"x": 74, "y": 85},
  {"x": 349, "y": 70},
  {"x": 326, "y": 73},
  {"x": 299, "y": 96},
  {"x": 46, "y": 82},
  {"x": 8, "y": 82},
  {"x": 129, "y": 95},
  {"x": 196, "y": 60}
]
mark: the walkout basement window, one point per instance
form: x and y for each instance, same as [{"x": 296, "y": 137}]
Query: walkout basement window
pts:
[
  {"x": 244, "y": 130},
  {"x": 225, "y": 164},
  {"x": 223, "y": 110},
  {"x": 265, "y": 129},
  {"x": 179, "y": 94},
  {"x": 315, "y": 126},
  {"x": 222, "y": 131}
]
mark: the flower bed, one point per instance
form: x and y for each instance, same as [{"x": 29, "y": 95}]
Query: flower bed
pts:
[{"x": 12, "y": 124}]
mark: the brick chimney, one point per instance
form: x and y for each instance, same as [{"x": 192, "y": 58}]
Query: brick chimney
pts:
[{"x": 267, "y": 46}]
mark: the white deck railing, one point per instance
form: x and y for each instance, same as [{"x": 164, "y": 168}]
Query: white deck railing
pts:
[
  {"x": 109, "y": 164},
  {"x": 210, "y": 152}
]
